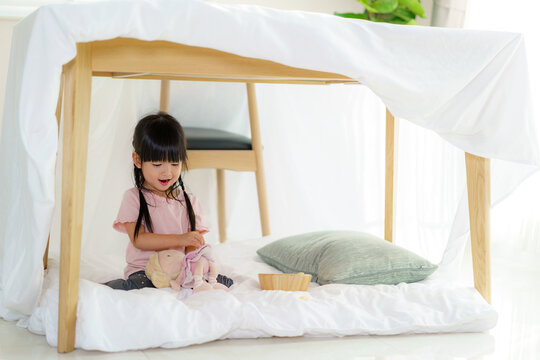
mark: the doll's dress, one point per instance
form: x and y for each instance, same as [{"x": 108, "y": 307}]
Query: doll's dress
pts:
[{"x": 204, "y": 254}]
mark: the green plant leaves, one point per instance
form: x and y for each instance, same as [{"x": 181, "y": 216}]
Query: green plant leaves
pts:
[
  {"x": 380, "y": 6},
  {"x": 404, "y": 14},
  {"x": 367, "y": 5},
  {"x": 414, "y": 6},
  {"x": 400, "y": 21},
  {"x": 352, "y": 15},
  {"x": 390, "y": 11}
]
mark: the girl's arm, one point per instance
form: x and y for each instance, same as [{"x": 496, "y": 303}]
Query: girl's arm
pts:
[{"x": 156, "y": 242}]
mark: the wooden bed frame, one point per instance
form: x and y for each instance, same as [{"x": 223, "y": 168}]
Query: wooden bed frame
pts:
[{"x": 137, "y": 59}]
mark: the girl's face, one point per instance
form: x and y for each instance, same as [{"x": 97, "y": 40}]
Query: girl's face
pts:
[{"x": 158, "y": 175}]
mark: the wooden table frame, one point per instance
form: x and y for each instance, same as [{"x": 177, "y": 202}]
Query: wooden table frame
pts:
[{"x": 131, "y": 58}]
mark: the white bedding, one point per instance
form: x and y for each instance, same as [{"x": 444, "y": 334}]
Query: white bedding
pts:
[{"x": 114, "y": 320}]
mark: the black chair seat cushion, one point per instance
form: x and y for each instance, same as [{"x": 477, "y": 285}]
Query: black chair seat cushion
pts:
[{"x": 212, "y": 139}]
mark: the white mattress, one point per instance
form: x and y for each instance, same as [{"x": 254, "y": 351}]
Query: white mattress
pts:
[{"x": 114, "y": 320}]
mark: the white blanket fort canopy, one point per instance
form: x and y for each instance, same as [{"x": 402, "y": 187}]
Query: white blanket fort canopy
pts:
[{"x": 470, "y": 87}]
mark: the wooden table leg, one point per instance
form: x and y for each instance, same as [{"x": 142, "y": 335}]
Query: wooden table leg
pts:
[
  {"x": 78, "y": 83},
  {"x": 479, "y": 194},
  {"x": 390, "y": 176}
]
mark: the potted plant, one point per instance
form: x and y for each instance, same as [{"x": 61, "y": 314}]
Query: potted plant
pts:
[{"x": 390, "y": 11}]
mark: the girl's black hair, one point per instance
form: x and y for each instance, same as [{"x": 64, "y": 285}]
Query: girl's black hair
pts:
[{"x": 160, "y": 137}]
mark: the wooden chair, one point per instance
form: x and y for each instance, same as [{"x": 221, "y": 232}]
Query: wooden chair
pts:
[
  {"x": 221, "y": 150},
  {"x": 137, "y": 59}
]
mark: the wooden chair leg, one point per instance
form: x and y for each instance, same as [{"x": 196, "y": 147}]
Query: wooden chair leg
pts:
[
  {"x": 479, "y": 196},
  {"x": 390, "y": 176},
  {"x": 222, "y": 213},
  {"x": 78, "y": 83},
  {"x": 165, "y": 96},
  {"x": 58, "y": 122},
  {"x": 256, "y": 143}
]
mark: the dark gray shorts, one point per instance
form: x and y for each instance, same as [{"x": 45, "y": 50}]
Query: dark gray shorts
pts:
[{"x": 139, "y": 280}]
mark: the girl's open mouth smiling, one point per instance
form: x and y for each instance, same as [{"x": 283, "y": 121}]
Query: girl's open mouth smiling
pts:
[{"x": 164, "y": 182}]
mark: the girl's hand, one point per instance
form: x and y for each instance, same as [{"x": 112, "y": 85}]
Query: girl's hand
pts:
[{"x": 192, "y": 239}]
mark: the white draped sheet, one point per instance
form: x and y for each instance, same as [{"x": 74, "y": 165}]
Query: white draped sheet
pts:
[{"x": 470, "y": 87}]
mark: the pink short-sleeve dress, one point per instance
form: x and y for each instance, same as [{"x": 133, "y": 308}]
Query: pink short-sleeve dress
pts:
[{"x": 168, "y": 217}]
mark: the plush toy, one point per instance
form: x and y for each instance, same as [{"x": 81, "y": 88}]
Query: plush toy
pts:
[{"x": 173, "y": 268}]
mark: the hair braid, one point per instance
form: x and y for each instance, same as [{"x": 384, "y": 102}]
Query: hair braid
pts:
[
  {"x": 191, "y": 213},
  {"x": 144, "y": 214}
]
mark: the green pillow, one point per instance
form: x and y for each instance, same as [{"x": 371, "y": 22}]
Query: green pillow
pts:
[{"x": 346, "y": 257}]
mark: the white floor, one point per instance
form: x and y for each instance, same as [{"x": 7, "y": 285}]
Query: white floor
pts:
[{"x": 517, "y": 335}]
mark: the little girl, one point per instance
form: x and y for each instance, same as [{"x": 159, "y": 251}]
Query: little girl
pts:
[{"x": 158, "y": 214}]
